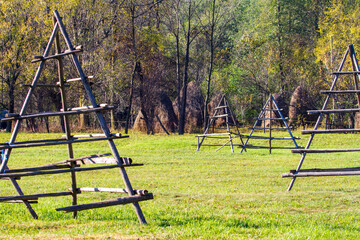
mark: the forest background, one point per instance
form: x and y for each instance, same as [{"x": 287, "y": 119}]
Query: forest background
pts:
[{"x": 138, "y": 49}]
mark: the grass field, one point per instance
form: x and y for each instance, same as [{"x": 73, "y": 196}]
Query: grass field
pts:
[{"x": 197, "y": 195}]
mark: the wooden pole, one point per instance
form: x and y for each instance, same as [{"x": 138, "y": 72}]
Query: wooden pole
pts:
[
  {"x": 271, "y": 101},
  {"x": 65, "y": 117},
  {"x": 100, "y": 118},
  {"x": 319, "y": 119}
]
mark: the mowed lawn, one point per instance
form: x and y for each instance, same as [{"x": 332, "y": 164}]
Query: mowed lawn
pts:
[{"x": 197, "y": 195}]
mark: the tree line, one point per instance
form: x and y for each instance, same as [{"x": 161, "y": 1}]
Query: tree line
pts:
[{"x": 137, "y": 48}]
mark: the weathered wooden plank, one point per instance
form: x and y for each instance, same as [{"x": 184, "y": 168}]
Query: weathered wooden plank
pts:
[
  {"x": 334, "y": 110},
  {"x": 326, "y": 169},
  {"x": 213, "y": 134},
  {"x": 277, "y": 119},
  {"x": 91, "y": 157},
  {"x": 330, "y": 131},
  {"x": 272, "y": 138},
  {"x": 20, "y": 201},
  {"x": 34, "y": 173},
  {"x": 220, "y": 107},
  {"x": 112, "y": 190},
  {"x": 34, "y": 141},
  {"x": 51, "y": 114},
  {"x": 76, "y": 79},
  {"x": 345, "y": 72},
  {"x": 266, "y": 147},
  {"x": 107, "y": 203},
  {"x": 37, "y": 168},
  {"x": 271, "y": 109},
  {"x": 321, "y": 174},
  {"x": 221, "y": 116},
  {"x": 103, "y": 105},
  {"x": 42, "y": 144},
  {"x": 42, "y": 85},
  {"x": 324, "y": 150},
  {"x": 276, "y": 128},
  {"x": 339, "y": 91},
  {"x": 34, "y": 196},
  {"x": 94, "y": 135},
  {"x": 66, "y": 52}
]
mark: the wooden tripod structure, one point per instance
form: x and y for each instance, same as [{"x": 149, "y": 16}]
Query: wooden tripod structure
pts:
[
  {"x": 72, "y": 164},
  {"x": 275, "y": 115},
  {"x": 221, "y": 111},
  {"x": 332, "y": 92}
]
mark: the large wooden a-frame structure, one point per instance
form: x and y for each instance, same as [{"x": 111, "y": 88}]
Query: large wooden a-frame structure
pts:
[
  {"x": 72, "y": 164},
  {"x": 334, "y": 90},
  {"x": 274, "y": 116},
  {"x": 222, "y": 110}
]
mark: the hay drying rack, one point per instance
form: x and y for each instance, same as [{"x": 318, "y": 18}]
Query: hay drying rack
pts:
[
  {"x": 317, "y": 172},
  {"x": 275, "y": 115},
  {"x": 72, "y": 164},
  {"x": 222, "y": 110}
]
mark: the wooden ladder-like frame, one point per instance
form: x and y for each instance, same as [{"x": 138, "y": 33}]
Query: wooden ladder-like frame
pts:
[
  {"x": 72, "y": 164},
  {"x": 298, "y": 172}
]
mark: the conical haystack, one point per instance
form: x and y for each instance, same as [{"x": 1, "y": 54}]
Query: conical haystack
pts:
[{"x": 194, "y": 108}]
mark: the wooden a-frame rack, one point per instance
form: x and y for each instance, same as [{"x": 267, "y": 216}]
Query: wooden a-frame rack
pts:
[
  {"x": 275, "y": 115},
  {"x": 72, "y": 164},
  {"x": 298, "y": 172},
  {"x": 221, "y": 111}
]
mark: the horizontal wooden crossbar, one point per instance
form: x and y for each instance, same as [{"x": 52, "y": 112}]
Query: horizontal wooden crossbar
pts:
[
  {"x": 113, "y": 202},
  {"x": 213, "y": 134},
  {"x": 322, "y": 172},
  {"x": 43, "y": 144},
  {"x": 277, "y": 119},
  {"x": 339, "y": 91},
  {"x": 266, "y": 147},
  {"x": 76, "y": 79},
  {"x": 34, "y": 173},
  {"x": 111, "y": 190},
  {"x": 220, "y": 116},
  {"x": 262, "y": 128},
  {"x": 334, "y": 110},
  {"x": 330, "y": 131},
  {"x": 61, "y": 113},
  {"x": 34, "y": 196},
  {"x": 221, "y": 107},
  {"x": 67, "y": 52},
  {"x": 341, "y": 73},
  {"x": 324, "y": 150},
  {"x": 272, "y": 138},
  {"x": 38, "y": 168},
  {"x": 269, "y": 109}
]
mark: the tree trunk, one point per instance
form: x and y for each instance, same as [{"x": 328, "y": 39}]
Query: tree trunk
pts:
[
  {"x": 182, "y": 110},
  {"x": 211, "y": 65}
]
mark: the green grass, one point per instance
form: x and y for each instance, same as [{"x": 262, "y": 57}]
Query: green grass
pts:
[{"x": 197, "y": 195}]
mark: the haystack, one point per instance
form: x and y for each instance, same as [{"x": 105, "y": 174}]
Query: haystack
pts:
[
  {"x": 300, "y": 103},
  {"x": 194, "y": 108},
  {"x": 165, "y": 112},
  {"x": 211, "y": 110}
]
